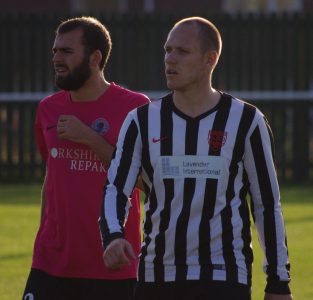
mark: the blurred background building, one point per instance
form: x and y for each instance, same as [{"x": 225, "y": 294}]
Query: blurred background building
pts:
[
  {"x": 158, "y": 6},
  {"x": 266, "y": 58}
]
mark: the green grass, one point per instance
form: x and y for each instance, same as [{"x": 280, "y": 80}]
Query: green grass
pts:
[
  {"x": 19, "y": 218},
  {"x": 297, "y": 202}
]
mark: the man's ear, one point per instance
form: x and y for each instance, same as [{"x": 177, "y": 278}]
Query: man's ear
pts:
[
  {"x": 95, "y": 58},
  {"x": 212, "y": 58}
]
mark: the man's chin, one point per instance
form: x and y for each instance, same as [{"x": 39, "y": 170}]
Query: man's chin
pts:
[
  {"x": 173, "y": 87},
  {"x": 59, "y": 82},
  {"x": 64, "y": 86},
  {"x": 170, "y": 85}
]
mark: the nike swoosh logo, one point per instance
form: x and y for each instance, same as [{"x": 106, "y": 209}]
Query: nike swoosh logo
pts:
[
  {"x": 50, "y": 127},
  {"x": 155, "y": 140}
]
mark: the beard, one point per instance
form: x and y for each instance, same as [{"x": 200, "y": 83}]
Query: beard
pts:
[{"x": 76, "y": 78}]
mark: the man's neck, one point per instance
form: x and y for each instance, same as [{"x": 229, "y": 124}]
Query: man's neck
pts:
[
  {"x": 194, "y": 104},
  {"x": 92, "y": 89}
]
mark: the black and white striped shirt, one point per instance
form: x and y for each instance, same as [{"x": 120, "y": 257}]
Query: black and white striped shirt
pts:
[{"x": 197, "y": 174}]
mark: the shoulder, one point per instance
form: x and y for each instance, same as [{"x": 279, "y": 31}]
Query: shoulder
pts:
[
  {"x": 54, "y": 98},
  {"x": 154, "y": 106},
  {"x": 133, "y": 98},
  {"x": 51, "y": 102},
  {"x": 239, "y": 104}
]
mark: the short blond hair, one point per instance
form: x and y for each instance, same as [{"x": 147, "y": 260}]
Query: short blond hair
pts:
[{"x": 208, "y": 32}]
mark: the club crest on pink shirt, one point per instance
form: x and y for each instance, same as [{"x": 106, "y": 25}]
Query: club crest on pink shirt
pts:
[{"x": 100, "y": 125}]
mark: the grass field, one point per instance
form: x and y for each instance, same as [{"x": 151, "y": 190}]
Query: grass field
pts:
[{"x": 19, "y": 218}]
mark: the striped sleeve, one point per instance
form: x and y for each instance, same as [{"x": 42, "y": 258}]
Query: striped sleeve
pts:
[
  {"x": 122, "y": 177},
  {"x": 266, "y": 206}
]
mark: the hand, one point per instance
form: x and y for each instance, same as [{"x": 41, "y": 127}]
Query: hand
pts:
[
  {"x": 277, "y": 297},
  {"x": 118, "y": 253},
  {"x": 71, "y": 128}
]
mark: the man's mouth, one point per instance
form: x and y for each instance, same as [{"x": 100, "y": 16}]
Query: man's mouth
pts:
[
  {"x": 60, "y": 69},
  {"x": 171, "y": 72}
]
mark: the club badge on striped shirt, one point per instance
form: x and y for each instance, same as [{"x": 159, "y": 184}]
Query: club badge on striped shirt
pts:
[{"x": 217, "y": 139}]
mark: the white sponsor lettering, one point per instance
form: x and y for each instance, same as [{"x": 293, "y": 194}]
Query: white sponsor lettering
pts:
[
  {"x": 61, "y": 153},
  {"x": 72, "y": 153},
  {"x": 88, "y": 165},
  {"x": 85, "y": 154},
  {"x": 192, "y": 166},
  {"x": 102, "y": 168},
  {"x": 82, "y": 165},
  {"x": 79, "y": 159}
]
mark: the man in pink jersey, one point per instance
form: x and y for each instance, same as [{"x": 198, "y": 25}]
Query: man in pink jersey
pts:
[{"x": 76, "y": 130}]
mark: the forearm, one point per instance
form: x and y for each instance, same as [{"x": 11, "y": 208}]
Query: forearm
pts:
[
  {"x": 113, "y": 213},
  {"x": 71, "y": 128},
  {"x": 100, "y": 146},
  {"x": 121, "y": 179}
]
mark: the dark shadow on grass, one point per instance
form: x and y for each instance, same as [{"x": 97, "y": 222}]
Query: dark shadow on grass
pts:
[
  {"x": 20, "y": 194},
  {"x": 299, "y": 220},
  {"x": 30, "y": 194},
  {"x": 19, "y": 201},
  {"x": 297, "y": 194},
  {"x": 15, "y": 256}
]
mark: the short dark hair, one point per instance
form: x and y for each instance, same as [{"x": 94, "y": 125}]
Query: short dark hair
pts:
[
  {"x": 209, "y": 34},
  {"x": 95, "y": 35}
]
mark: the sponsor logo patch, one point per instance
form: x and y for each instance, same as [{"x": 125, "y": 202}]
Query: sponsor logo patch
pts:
[{"x": 192, "y": 166}]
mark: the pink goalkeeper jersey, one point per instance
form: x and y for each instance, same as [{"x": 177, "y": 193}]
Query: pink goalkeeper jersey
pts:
[{"x": 68, "y": 242}]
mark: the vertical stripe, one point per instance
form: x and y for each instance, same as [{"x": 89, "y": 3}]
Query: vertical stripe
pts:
[
  {"x": 270, "y": 133},
  {"x": 246, "y": 229},
  {"x": 166, "y": 148},
  {"x": 103, "y": 224},
  {"x": 147, "y": 231},
  {"x": 142, "y": 114},
  {"x": 267, "y": 200},
  {"x": 210, "y": 196},
  {"x": 191, "y": 141},
  {"x": 125, "y": 162},
  {"x": 226, "y": 215}
]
